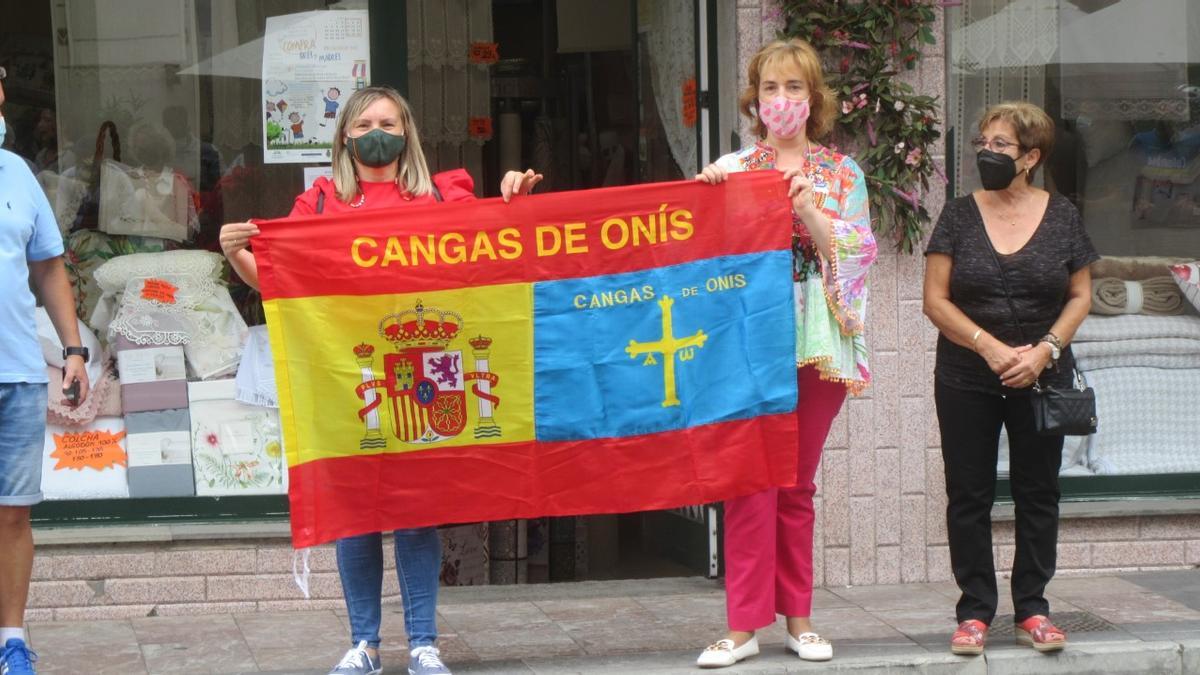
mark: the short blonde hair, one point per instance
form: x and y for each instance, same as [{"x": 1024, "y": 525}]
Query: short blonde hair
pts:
[
  {"x": 1035, "y": 129},
  {"x": 413, "y": 175},
  {"x": 822, "y": 106}
]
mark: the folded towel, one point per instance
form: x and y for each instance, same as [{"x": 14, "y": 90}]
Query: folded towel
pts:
[
  {"x": 1159, "y": 296},
  {"x": 1134, "y": 268}
]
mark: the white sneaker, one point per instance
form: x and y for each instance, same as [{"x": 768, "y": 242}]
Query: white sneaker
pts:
[
  {"x": 810, "y": 647},
  {"x": 722, "y": 653}
]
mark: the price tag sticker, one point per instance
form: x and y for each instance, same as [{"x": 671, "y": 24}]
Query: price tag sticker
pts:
[
  {"x": 96, "y": 449},
  {"x": 480, "y": 128},
  {"x": 484, "y": 53},
  {"x": 159, "y": 290}
]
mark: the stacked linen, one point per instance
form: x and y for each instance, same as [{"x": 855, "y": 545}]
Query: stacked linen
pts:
[{"x": 1145, "y": 371}]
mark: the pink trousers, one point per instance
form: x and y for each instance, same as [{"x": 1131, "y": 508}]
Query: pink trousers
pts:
[{"x": 769, "y": 535}]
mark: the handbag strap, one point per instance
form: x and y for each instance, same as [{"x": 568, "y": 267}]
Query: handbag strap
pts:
[
  {"x": 1012, "y": 306},
  {"x": 1003, "y": 277}
]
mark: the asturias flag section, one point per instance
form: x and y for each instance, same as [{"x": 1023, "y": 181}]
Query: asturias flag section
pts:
[{"x": 585, "y": 352}]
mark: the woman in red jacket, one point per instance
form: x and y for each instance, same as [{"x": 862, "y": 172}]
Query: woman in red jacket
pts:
[{"x": 378, "y": 163}]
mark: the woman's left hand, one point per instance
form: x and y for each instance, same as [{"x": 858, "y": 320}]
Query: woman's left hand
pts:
[
  {"x": 517, "y": 183},
  {"x": 800, "y": 191},
  {"x": 1033, "y": 361}
]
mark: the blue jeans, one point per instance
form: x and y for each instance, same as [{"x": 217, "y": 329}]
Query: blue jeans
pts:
[
  {"x": 418, "y": 565},
  {"x": 22, "y": 433}
]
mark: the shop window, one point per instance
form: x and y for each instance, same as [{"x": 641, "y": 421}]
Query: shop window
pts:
[
  {"x": 145, "y": 123},
  {"x": 1121, "y": 79}
]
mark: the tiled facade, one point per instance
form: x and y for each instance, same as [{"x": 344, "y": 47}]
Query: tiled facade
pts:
[
  {"x": 880, "y": 503},
  {"x": 881, "y": 499}
]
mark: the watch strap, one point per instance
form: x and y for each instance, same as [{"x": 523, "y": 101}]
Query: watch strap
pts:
[{"x": 76, "y": 351}]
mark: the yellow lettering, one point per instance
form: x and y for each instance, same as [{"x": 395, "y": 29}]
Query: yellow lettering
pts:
[
  {"x": 681, "y": 225},
  {"x": 510, "y": 243},
  {"x": 426, "y": 249},
  {"x": 482, "y": 248},
  {"x": 393, "y": 253},
  {"x": 452, "y": 248},
  {"x": 648, "y": 292},
  {"x": 355, "y": 253},
  {"x": 642, "y": 229},
  {"x": 575, "y": 237},
  {"x": 580, "y": 302},
  {"x": 739, "y": 281},
  {"x": 543, "y": 248},
  {"x": 623, "y": 234}
]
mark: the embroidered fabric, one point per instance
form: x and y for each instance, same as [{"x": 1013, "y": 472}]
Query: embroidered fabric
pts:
[
  {"x": 830, "y": 295},
  {"x": 256, "y": 373},
  {"x": 199, "y": 314},
  {"x": 115, "y": 274},
  {"x": 104, "y": 399}
]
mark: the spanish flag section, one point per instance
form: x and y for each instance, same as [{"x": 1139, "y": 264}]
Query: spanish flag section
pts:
[{"x": 599, "y": 351}]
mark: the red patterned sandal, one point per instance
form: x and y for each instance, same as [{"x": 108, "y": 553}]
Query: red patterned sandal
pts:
[
  {"x": 1039, "y": 633},
  {"x": 969, "y": 639}
]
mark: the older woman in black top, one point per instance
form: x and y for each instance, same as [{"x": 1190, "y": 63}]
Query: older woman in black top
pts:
[{"x": 990, "y": 353}]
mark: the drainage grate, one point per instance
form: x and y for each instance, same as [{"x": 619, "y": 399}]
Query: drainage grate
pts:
[{"x": 1071, "y": 622}]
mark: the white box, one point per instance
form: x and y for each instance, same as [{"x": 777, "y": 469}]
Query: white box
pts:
[
  {"x": 153, "y": 364},
  {"x": 64, "y": 477},
  {"x": 237, "y": 448}
]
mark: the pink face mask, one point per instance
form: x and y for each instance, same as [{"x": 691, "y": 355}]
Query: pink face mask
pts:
[{"x": 783, "y": 117}]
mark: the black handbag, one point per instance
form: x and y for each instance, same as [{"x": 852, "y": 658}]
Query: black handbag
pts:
[{"x": 1057, "y": 411}]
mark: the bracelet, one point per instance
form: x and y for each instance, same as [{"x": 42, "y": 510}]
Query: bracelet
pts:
[
  {"x": 1052, "y": 339},
  {"x": 975, "y": 339}
]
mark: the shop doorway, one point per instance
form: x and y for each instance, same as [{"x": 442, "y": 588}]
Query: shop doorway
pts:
[{"x": 595, "y": 93}]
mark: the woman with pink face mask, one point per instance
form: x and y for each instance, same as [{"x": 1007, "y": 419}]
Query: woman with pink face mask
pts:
[{"x": 769, "y": 535}]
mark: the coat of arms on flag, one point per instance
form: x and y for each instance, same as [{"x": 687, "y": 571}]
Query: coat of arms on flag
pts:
[{"x": 425, "y": 380}]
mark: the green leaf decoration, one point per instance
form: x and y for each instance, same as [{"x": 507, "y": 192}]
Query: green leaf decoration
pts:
[{"x": 890, "y": 130}]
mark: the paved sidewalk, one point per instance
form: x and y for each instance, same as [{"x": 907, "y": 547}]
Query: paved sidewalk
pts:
[{"x": 1137, "y": 623}]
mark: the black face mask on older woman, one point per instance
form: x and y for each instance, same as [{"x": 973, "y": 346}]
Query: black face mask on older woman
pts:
[{"x": 996, "y": 169}]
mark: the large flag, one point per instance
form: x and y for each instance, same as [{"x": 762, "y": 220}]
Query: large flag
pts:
[{"x": 600, "y": 351}]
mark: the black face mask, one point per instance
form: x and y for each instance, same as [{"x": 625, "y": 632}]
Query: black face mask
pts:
[{"x": 996, "y": 170}]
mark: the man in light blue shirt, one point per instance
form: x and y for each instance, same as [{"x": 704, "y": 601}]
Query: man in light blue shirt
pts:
[{"x": 31, "y": 250}]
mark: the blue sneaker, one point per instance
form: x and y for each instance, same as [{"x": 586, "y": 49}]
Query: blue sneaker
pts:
[
  {"x": 426, "y": 660},
  {"x": 356, "y": 662},
  {"x": 17, "y": 659}
]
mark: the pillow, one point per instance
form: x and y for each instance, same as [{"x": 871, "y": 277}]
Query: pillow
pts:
[
  {"x": 1187, "y": 276},
  {"x": 1103, "y": 139},
  {"x": 1133, "y": 268},
  {"x": 52, "y": 346}
]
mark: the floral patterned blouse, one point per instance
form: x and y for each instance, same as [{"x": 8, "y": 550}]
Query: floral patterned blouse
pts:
[{"x": 831, "y": 295}]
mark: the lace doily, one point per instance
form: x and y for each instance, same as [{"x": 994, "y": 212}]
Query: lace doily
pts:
[{"x": 200, "y": 269}]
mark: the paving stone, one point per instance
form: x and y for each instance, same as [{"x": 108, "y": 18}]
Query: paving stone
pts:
[
  {"x": 1127, "y": 658},
  {"x": 192, "y": 644},
  {"x": 294, "y": 640},
  {"x": 93, "y": 647},
  {"x": 894, "y": 596},
  {"x": 1190, "y": 658}
]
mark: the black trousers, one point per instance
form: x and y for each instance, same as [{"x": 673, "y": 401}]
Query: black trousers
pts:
[{"x": 970, "y": 424}]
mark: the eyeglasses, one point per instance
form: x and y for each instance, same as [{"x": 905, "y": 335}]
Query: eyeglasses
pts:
[{"x": 995, "y": 145}]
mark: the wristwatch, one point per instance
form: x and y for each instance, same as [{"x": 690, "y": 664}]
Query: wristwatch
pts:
[
  {"x": 76, "y": 351},
  {"x": 1055, "y": 349}
]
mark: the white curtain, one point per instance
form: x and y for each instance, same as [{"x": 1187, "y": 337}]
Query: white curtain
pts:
[
  {"x": 669, "y": 31},
  {"x": 999, "y": 51}
]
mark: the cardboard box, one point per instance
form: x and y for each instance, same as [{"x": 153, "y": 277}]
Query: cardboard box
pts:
[
  {"x": 152, "y": 377},
  {"x": 237, "y": 448},
  {"x": 85, "y": 462},
  {"x": 159, "y": 444}
]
